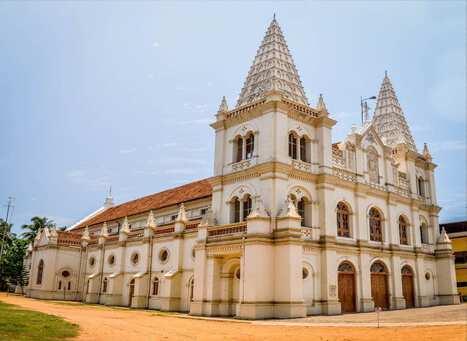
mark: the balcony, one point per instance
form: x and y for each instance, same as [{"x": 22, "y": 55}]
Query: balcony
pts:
[{"x": 229, "y": 230}]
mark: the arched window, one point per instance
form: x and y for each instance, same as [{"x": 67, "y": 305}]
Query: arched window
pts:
[
  {"x": 343, "y": 220},
  {"x": 192, "y": 286},
  {"x": 420, "y": 186},
  {"x": 238, "y": 149},
  {"x": 235, "y": 210},
  {"x": 304, "y": 149},
  {"x": 376, "y": 230},
  {"x": 246, "y": 206},
  {"x": 40, "y": 270},
  {"x": 59, "y": 285},
  {"x": 249, "y": 146},
  {"x": 293, "y": 146},
  {"x": 373, "y": 168},
  {"x": 403, "y": 233},
  {"x": 424, "y": 238},
  {"x": 69, "y": 285},
  {"x": 104, "y": 285},
  {"x": 155, "y": 286},
  {"x": 301, "y": 209},
  {"x": 378, "y": 267}
]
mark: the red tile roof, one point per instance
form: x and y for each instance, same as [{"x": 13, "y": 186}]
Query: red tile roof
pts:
[{"x": 192, "y": 191}]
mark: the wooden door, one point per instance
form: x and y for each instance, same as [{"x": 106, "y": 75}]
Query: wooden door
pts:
[
  {"x": 408, "y": 287},
  {"x": 132, "y": 292},
  {"x": 379, "y": 290},
  {"x": 346, "y": 292}
]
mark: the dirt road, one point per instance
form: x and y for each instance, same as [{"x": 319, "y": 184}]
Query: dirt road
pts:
[{"x": 104, "y": 323}]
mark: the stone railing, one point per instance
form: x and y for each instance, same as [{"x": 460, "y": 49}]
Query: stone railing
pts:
[
  {"x": 227, "y": 230},
  {"x": 164, "y": 230},
  {"x": 400, "y": 190},
  {"x": 244, "y": 164},
  {"x": 344, "y": 174},
  {"x": 301, "y": 165}
]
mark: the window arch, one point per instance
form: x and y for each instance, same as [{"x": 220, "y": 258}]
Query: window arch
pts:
[
  {"x": 346, "y": 267},
  {"x": 247, "y": 205},
  {"x": 343, "y": 220},
  {"x": 304, "y": 149},
  {"x": 235, "y": 210},
  {"x": 69, "y": 285},
  {"x": 420, "y": 186},
  {"x": 104, "y": 285},
  {"x": 301, "y": 209},
  {"x": 40, "y": 271},
  {"x": 59, "y": 285},
  {"x": 403, "y": 231},
  {"x": 373, "y": 167},
  {"x": 293, "y": 146},
  {"x": 378, "y": 267},
  {"x": 155, "y": 286},
  {"x": 238, "y": 149},
  {"x": 376, "y": 225},
  {"x": 424, "y": 235},
  {"x": 249, "y": 146}
]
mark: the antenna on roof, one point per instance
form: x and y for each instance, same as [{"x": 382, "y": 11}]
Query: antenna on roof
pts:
[{"x": 274, "y": 16}]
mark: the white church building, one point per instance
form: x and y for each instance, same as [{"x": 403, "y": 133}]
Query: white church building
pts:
[{"x": 289, "y": 225}]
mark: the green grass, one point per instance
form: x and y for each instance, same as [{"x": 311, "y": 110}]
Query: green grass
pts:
[{"x": 20, "y": 324}]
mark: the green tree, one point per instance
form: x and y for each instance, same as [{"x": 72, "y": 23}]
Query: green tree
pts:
[
  {"x": 32, "y": 229},
  {"x": 13, "y": 271}
]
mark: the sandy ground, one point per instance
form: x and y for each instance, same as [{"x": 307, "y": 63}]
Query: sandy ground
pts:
[{"x": 104, "y": 323}]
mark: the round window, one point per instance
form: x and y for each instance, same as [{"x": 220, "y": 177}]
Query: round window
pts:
[
  {"x": 163, "y": 255},
  {"x": 135, "y": 258},
  {"x": 65, "y": 273},
  {"x": 427, "y": 276},
  {"x": 305, "y": 273},
  {"x": 111, "y": 260},
  {"x": 92, "y": 261}
]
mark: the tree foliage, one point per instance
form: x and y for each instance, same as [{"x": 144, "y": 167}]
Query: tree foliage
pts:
[{"x": 37, "y": 223}]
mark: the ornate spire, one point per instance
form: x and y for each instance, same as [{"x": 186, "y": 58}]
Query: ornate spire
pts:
[
  {"x": 389, "y": 120},
  {"x": 181, "y": 217},
  {"x": 151, "y": 223},
  {"x": 109, "y": 201},
  {"x": 321, "y": 106},
  {"x": 272, "y": 69},
  {"x": 426, "y": 152},
  {"x": 223, "y": 107},
  {"x": 125, "y": 228}
]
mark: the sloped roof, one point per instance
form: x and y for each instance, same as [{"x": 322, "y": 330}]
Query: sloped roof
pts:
[{"x": 192, "y": 191}]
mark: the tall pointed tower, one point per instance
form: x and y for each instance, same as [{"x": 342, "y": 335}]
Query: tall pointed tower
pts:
[
  {"x": 389, "y": 120},
  {"x": 273, "y": 69}
]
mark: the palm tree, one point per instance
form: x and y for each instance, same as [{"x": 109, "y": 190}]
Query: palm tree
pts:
[{"x": 32, "y": 229}]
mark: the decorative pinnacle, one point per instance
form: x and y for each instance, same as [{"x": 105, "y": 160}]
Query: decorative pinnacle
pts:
[
  {"x": 321, "y": 106},
  {"x": 223, "y": 107},
  {"x": 426, "y": 152},
  {"x": 181, "y": 217}
]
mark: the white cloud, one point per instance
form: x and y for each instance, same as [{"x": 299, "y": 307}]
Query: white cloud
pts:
[
  {"x": 127, "y": 151},
  {"x": 155, "y": 44}
]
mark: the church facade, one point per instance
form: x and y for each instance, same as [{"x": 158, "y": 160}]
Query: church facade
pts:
[{"x": 289, "y": 225}]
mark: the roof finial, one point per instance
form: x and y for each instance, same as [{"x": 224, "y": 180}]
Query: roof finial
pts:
[
  {"x": 109, "y": 202},
  {"x": 274, "y": 16},
  {"x": 385, "y": 73}
]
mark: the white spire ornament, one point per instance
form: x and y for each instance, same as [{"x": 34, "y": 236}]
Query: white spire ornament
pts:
[
  {"x": 426, "y": 152},
  {"x": 151, "y": 223},
  {"x": 321, "y": 106},
  {"x": 273, "y": 69},
  {"x": 223, "y": 107},
  {"x": 389, "y": 120},
  {"x": 109, "y": 201}
]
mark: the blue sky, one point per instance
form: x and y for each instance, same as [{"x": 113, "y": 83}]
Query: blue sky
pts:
[{"x": 100, "y": 93}]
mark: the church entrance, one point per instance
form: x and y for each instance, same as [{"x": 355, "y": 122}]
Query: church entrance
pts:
[
  {"x": 346, "y": 287},
  {"x": 379, "y": 285},
  {"x": 408, "y": 287},
  {"x": 132, "y": 292}
]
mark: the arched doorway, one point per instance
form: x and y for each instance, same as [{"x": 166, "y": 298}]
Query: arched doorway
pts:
[
  {"x": 308, "y": 287},
  {"x": 379, "y": 285},
  {"x": 132, "y": 292},
  {"x": 408, "y": 287},
  {"x": 346, "y": 287}
]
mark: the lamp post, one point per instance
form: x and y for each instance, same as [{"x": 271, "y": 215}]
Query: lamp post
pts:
[{"x": 362, "y": 101}]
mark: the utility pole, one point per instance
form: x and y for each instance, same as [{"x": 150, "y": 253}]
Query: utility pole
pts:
[{"x": 9, "y": 206}]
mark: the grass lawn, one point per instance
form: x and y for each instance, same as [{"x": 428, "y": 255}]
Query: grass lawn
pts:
[{"x": 20, "y": 324}]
